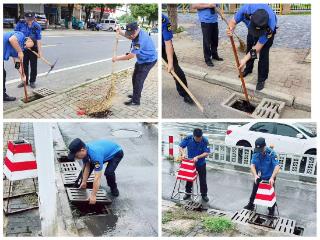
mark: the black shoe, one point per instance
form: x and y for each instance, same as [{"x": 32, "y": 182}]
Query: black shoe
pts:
[
  {"x": 130, "y": 96},
  {"x": 209, "y": 63},
  {"x": 131, "y": 103},
  {"x": 21, "y": 85},
  {"x": 271, "y": 211},
  {"x": 186, "y": 196},
  {"x": 249, "y": 206},
  {"x": 205, "y": 198},
  {"x": 260, "y": 86},
  {"x": 7, "y": 98},
  {"x": 33, "y": 85},
  {"x": 246, "y": 73},
  {"x": 217, "y": 58},
  {"x": 188, "y": 99},
  {"x": 115, "y": 192}
]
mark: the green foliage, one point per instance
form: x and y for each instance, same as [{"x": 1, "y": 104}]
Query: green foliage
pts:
[
  {"x": 126, "y": 18},
  {"x": 217, "y": 224},
  {"x": 145, "y": 11},
  {"x": 179, "y": 29},
  {"x": 167, "y": 217}
]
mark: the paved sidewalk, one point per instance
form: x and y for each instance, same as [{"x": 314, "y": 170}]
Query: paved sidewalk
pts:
[
  {"x": 26, "y": 223},
  {"x": 66, "y": 104}
]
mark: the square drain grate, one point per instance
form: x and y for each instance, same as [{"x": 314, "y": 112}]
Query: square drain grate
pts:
[
  {"x": 216, "y": 213},
  {"x": 264, "y": 220},
  {"x": 62, "y": 156},
  {"x": 69, "y": 167},
  {"x": 193, "y": 206},
  {"x": 77, "y": 195},
  {"x": 69, "y": 179},
  {"x": 268, "y": 108},
  {"x": 43, "y": 92},
  {"x": 286, "y": 225},
  {"x": 242, "y": 216}
]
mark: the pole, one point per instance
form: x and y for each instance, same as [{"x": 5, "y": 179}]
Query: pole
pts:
[
  {"x": 46, "y": 178},
  {"x": 171, "y": 147}
]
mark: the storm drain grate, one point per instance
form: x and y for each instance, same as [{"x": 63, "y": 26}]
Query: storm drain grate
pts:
[
  {"x": 264, "y": 220},
  {"x": 216, "y": 213},
  {"x": 268, "y": 108},
  {"x": 286, "y": 225},
  {"x": 242, "y": 216},
  {"x": 70, "y": 178},
  {"x": 43, "y": 92},
  {"x": 77, "y": 195},
  {"x": 62, "y": 156},
  {"x": 69, "y": 167},
  {"x": 193, "y": 206}
]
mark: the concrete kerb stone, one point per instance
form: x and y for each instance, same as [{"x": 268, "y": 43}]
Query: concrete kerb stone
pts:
[
  {"x": 302, "y": 104},
  {"x": 61, "y": 92},
  {"x": 66, "y": 224}
]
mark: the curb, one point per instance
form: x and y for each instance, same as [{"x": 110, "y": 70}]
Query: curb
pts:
[{"x": 233, "y": 84}]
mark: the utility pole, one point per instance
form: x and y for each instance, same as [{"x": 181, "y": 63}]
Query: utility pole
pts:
[{"x": 46, "y": 178}]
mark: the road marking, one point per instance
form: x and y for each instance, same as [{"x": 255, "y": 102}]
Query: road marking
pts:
[
  {"x": 52, "y": 45},
  {"x": 63, "y": 69}
]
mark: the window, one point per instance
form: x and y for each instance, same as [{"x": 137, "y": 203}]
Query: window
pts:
[
  {"x": 262, "y": 127},
  {"x": 287, "y": 131},
  {"x": 112, "y": 21}
]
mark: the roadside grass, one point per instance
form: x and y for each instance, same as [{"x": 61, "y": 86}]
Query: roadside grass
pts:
[
  {"x": 180, "y": 214},
  {"x": 217, "y": 224}
]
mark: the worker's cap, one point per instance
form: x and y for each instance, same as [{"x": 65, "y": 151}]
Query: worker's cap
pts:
[
  {"x": 75, "y": 146},
  {"x": 197, "y": 132},
  {"x": 131, "y": 28},
  {"x": 258, "y": 23},
  {"x": 259, "y": 145},
  {"x": 29, "y": 15}
]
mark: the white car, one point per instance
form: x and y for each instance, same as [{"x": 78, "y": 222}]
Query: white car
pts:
[
  {"x": 108, "y": 24},
  {"x": 286, "y": 138}
]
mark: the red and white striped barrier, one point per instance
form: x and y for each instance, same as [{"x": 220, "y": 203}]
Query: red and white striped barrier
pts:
[
  {"x": 19, "y": 162},
  {"x": 171, "y": 146},
  {"x": 265, "y": 195},
  {"x": 187, "y": 171}
]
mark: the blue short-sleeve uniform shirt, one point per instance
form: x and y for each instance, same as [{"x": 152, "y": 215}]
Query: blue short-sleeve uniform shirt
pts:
[
  {"x": 34, "y": 31},
  {"x": 8, "y": 50},
  {"x": 167, "y": 34},
  {"x": 195, "y": 148},
  {"x": 244, "y": 13},
  {"x": 265, "y": 164},
  {"x": 100, "y": 152},
  {"x": 207, "y": 15},
  {"x": 144, "y": 48}
]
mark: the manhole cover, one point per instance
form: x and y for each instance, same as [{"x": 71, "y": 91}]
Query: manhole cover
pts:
[
  {"x": 242, "y": 216},
  {"x": 43, "y": 92},
  {"x": 236, "y": 102},
  {"x": 264, "y": 220},
  {"x": 216, "y": 213},
  {"x": 193, "y": 206},
  {"x": 77, "y": 195},
  {"x": 126, "y": 133},
  {"x": 69, "y": 179},
  {"x": 268, "y": 108},
  {"x": 286, "y": 225},
  {"x": 69, "y": 167}
]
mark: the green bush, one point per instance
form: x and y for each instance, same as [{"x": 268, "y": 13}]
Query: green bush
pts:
[{"x": 217, "y": 224}]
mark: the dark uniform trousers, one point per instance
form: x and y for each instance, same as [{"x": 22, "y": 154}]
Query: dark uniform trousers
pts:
[
  {"x": 263, "y": 64},
  {"x": 32, "y": 59},
  {"x": 177, "y": 69},
  {"x": 255, "y": 189},
  {"x": 202, "y": 173},
  {"x": 140, "y": 74},
  {"x": 110, "y": 169},
  {"x": 4, "y": 80},
  {"x": 210, "y": 38}
]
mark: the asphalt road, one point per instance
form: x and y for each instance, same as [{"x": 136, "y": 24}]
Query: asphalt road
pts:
[
  {"x": 82, "y": 56},
  {"x": 135, "y": 211}
]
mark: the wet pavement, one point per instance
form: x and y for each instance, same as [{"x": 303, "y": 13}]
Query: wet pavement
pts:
[
  {"x": 229, "y": 190},
  {"x": 135, "y": 211}
]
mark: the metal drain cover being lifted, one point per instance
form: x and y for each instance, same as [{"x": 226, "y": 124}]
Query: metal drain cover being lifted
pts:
[
  {"x": 43, "y": 92},
  {"x": 268, "y": 108},
  {"x": 69, "y": 179},
  {"x": 69, "y": 167},
  {"x": 77, "y": 195}
]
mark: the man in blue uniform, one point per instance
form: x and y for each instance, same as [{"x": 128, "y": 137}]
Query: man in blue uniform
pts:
[
  {"x": 198, "y": 150},
  {"x": 93, "y": 155},
  {"x": 264, "y": 167},
  {"x": 210, "y": 31},
  {"x": 13, "y": 46},
  {"x": 30, "y": 28},
  {"x": 261, "y": 21},
  {"x": 143, "y": 48},
  {"x": 170, "y": 57}
]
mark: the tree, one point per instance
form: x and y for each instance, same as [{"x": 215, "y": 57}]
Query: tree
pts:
[
  {"x": 173, "y": 15},
  {"x": 87, "y": 9},
  {"x": 145, "y": 11},
  {"x": 104, "y": 6},
  {"x": 70, "y": 13},
  {"x": 21, "y": 11}
]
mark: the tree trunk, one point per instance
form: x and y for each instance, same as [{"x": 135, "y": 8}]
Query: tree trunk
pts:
[
  {"x": 21, "y": 12},
  {"x": 101, "y": 13},
  {"x": 70, "y": 13},
  {"x": 173, "y": 15}
]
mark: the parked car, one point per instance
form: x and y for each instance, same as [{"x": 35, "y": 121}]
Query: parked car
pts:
[
  {"x": 94, "y": 26},
  {"x": 9, "y": 22},
  {"x": 42, "y": 20},
  {"x": 285, "y": 137},
  {"x": 109, "y": 24}
]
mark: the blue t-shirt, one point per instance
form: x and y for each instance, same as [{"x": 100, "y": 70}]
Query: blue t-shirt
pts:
[
  {"x": 167, "y": 34},
  {"x": 8, "y": 50},
  {"x": 247, "y": 10},
  {"x": 196, "y": 148},
  {"x": 34, "y": 31},
  {"x": 99, "y": 152},
  {"x": 208, "y": 15},
  {"x": 144, "y": 48},
  {"x": 265, "y": 163}
]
